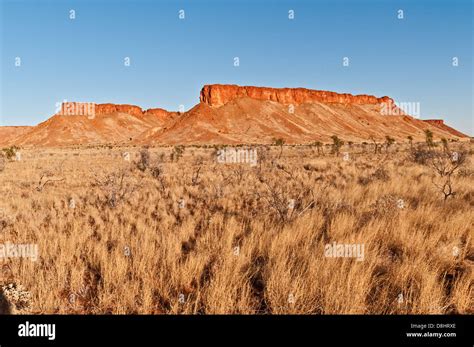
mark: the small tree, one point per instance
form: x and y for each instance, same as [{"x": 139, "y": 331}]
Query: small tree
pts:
[
  {"x": 376, "y": 145},
  {"x": 445, "y": 145},
  {"x": 429, "y": 138},
  {"x": 444, "y": 164},
  {"x": 177, "y": 153},
  {"x": 389, "y": 141},
  {"x": 144, "y": 161},
  {"x": 336, "y": 144},
  {"x": 115, "y": 187},
  {"x": 279, "y": 142},
  {"x": 10, "y": 152}
]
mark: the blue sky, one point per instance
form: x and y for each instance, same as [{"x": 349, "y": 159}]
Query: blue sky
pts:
[{"x": 171, "y": 58}]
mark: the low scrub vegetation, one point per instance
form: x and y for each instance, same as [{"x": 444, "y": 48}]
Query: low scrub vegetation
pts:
[{"x": 172, "y": 230}]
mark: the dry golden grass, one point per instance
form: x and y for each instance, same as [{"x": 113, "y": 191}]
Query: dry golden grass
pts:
[{"x": 171, "y": 239}]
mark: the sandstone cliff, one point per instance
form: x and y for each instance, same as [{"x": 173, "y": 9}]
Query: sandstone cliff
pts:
[
  {"x": 92, "y": 109},
  {"x": 434, "y": 121},
  {"x": 219, "y": 94}
]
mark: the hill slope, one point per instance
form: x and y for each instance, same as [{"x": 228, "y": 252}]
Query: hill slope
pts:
[
  {"x": 110, "y": 124},
  {"x": 230, "y": 114},
  {"x": 249, "y": 120},
  {"x": 8, "y": 134}
]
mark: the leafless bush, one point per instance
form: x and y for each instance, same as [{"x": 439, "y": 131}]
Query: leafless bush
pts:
[
  {"x": 10, "y": 152},
  {"x": 421, "y": 155},
  {"x": 177, "y": 153},
  {"x": 377, "y": 146},
  {"x": 156, "y": 171},
  {"x": 115, "y": 186},
  {"x": 445, "y": 164},
  {"x": 144, "y": 161},
  {"x": 287, "y": 202}
]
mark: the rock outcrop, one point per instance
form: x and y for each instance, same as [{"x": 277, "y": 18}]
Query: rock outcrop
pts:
[
  {"x": 72, "y": 108},
  {"x": 434, "y": 121},
  {"x": 218, "y": 94},
  {"x": 92, "y": 109},
  {"x": 113, "y": 108},
  {"x": 158, "y": 112}
]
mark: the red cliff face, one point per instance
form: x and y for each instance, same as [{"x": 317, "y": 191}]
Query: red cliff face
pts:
[
  {"x": 112, "y": 108},
  {"x": 158, "y": 112},
  {"x": 92, "y": 109},
  {"x": 218, "y": 95},
  {"x": 434, "y": 121}
]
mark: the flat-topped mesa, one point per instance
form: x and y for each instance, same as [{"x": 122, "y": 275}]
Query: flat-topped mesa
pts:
[
  {"x": 93, "y": 109},
  {"x": 157, "y": 112},
  {"x": 434, "y": 121},
  {"x": 72, "y": 108},
  {"x": 219, "y": 94},
  {"x": 101, "y": 109}
]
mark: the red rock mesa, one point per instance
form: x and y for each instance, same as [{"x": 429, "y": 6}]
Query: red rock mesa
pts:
[
  {"x": 88, "y": 108},
  {"x": 435, "y": 121},
  {"x": 230, "y": 114},
  {"x": 219, "y": 94}
]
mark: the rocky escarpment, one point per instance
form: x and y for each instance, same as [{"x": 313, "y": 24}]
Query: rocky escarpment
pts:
[
  {"x": 93, "y": 109},
  {"x": 434, "y": 121},
  {"x": 230, "y": 114},
  {"x": 219, "y": 94}
]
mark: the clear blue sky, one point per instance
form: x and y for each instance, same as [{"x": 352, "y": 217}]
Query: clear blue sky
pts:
[{"x": 171, "y": 59}]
